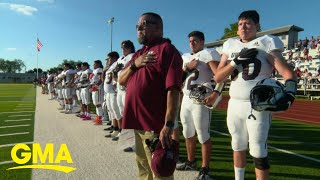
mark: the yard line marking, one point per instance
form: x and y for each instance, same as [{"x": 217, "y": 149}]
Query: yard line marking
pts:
[
  {"x": 23, "y": 109},
  {"x": 22, "y": 125},
  {"x": 13, "y": 144},
  {"x": 17, "y": 120},
  {"x": 277, "y": 149},
  {"x": 295, "y": 154},
  {"x": 13, "y": 134},
  {"x": 20, "y": 115},
  {"x": 6, "y": 162},
  {"x": 11, "y": 112}
]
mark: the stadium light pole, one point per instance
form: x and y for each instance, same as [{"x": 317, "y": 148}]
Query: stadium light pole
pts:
[{"x": 110, "y": 21}]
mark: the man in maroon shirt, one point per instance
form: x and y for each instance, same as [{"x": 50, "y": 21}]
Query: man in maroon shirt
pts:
[{"x": 153, "y": 78}]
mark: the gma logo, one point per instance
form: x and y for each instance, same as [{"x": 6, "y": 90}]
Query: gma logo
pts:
[{"x": 48, "y": 154}]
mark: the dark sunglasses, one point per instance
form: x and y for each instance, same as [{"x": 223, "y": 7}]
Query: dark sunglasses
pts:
[{"x": 144, "y": 24}]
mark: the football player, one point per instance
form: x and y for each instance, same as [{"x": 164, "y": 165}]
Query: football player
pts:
[
  {"x": 50, "y": 84},
  {"x": 84, "y": 91},
  {"x": 97, "y": 90},
  {"x": 111, "y": 94},
  {"x": 68, "y": 82},
  {"x": 201, "y": 64},
  {"x": 128, "y": 50},
  {"x": 249, "y": 59}
]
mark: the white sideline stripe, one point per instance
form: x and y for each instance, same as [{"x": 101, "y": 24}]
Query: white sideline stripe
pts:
[
  {"x": 23, "y": 109},
  {"x": 20, "y": 115},
  {"x": 22, "y": 125},
  {"x": 6, "y": 162},
  {"x": 13, "y": 144},
  {"x": 13, "y": 134},
  {"x": 278, "y": 149},
  {"x": 295, "y": 154},
  {"x": 11, "y": 112},
  {"x": 17, "y": 120}
]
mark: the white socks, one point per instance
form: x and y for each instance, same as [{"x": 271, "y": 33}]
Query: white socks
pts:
[
  {"x": 99, "y": 111},
  {"x": 239, "y": 173}
]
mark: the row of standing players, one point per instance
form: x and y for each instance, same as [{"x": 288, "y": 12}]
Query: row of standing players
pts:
[{"x": 248, "y": 58}]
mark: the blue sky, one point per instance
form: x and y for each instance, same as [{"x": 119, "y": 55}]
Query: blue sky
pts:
[{"x": 78, "y": 29}]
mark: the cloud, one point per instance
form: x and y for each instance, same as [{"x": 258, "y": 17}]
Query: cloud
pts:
[
  {"x": 20, "y": 8},
  {"x": 48, "y": 1},
  {"x": 11, "y": 49}
]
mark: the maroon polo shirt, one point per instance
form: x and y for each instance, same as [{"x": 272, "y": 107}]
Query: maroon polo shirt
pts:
[{"x": 146, "y": 92}]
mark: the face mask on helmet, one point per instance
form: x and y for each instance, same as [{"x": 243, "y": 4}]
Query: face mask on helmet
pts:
[
  {"x": 200, "y": 92},
  {"x": 266, "y": 94}
]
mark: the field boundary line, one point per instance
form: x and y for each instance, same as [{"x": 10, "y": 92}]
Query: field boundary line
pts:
[
  {"x": 14, "y": 134},
  {"x": 13, "y": 144},
  {"x": 6, "y": 162},
  {"x": 20, "y": 115},
  {"x": 11, "y": 112},
  {"x": 17, "y": 120},
  {"x": 22, "y": 125}
]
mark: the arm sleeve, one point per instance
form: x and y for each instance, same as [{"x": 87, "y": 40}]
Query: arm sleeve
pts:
[
  {"x": 275, "y": 44},
  {"x": 174, "y": 73}
]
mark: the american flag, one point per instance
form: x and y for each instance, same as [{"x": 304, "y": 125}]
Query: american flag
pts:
[{"x": 39, "y": 45}]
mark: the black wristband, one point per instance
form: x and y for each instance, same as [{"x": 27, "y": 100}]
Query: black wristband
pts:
[
  {"x": 169, "y": 123},
  {"x": 133, "y": 66},
  {"x": 217, "y": 92}
]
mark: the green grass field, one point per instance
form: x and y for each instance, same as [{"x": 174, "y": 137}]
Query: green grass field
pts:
[
  {"x": 299, "y": 138},
  {"x": 17, "y": 106}
]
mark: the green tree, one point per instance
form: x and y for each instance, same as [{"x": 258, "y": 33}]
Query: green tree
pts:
[
  {"x": 231, "y": 31},
  {"x": 73, "y": 63}
]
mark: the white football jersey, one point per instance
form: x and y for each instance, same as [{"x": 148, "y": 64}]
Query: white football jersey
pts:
[
  {"x": 124, "y": 61},
  {"x": 69, "y": 75},
  {"x": 85, "y": 74},
  {"x": 95, "y": 77},
  {"x": 108, "y": 84},
  {"x": 202, "y": 72},
  {"x": 259, "y": 68}
]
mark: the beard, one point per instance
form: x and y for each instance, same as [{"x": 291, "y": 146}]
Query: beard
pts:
[{"x": 142, "y": 39}]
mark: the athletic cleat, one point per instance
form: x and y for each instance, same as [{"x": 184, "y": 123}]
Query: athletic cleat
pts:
[
  {"x": 108, "y": 129},
  {"x": 61, "y": 108},
  {"x": 204, "y": 174},
  {"x": 98, "y": 121},
  {"x": 187, "y": 166},
  {"x": 113, "y": 134},
  {"x": 117, "y": 137},
  {"x": 63, "y": 111},
  {"x": 87, "y": 118},
  {"x": 109, "y": 123},
  {"x": 128, "y": 149},
  {"x": 82, "y": 116},
  {"x": 68, "y": 111}
]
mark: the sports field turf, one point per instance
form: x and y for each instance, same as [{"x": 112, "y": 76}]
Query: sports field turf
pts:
[
  {"x": 17, "y": 105},
  {"x": 294, "y": 147}
]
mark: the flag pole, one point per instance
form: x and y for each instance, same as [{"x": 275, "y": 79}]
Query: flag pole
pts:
[
  {"x": 37, "y": 57},
  {"x": 37, "y": 65}
]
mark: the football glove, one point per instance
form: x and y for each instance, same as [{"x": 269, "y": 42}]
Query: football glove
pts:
[
  {"x": 243, "y": 57},
  {"x": 286, "y": 99}
]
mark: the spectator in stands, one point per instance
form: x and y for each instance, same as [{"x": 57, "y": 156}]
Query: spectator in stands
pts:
[
  {"x": 318, "y": 47},
  {"x": 305, "y": 43},
  {"x": 299, "y": 43},
  {"x": 290, "y": 54},
  {"x": 312, "y": 42},
  {"x": 305, "y": 53}
]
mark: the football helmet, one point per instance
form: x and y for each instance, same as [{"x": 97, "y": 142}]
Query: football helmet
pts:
[
  {"x": 200, "y": 92},
  {"x": 269, "y": 95}
]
